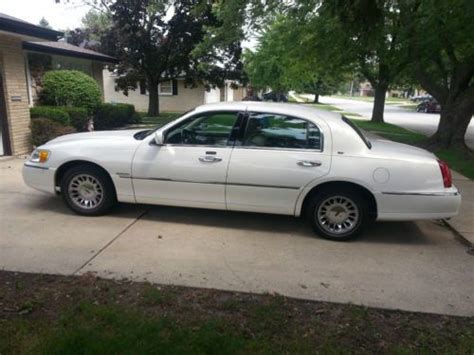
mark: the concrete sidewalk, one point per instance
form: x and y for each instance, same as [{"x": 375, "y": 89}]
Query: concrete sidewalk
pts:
[{"x": 464, "y": 222}]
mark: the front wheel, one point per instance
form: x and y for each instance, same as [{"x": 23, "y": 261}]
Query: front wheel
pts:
[
  {"x": 88, "y": 190},
  {"x": 337, "y": 214}
]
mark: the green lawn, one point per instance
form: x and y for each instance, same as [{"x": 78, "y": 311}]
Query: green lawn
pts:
[
  {"x": 47, "y": 314},
  {"x": 160, "y": 120}
]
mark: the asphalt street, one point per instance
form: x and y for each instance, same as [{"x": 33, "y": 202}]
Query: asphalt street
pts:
[{"x": 425, "y": 123}]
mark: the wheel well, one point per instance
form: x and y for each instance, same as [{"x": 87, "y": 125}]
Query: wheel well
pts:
[
  {"x": 66, "y": 166},
  {"x": 367, "y": 195}
]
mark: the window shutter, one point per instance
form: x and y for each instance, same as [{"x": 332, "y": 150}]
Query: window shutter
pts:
[
  {"x": 175, "y": 87},
  {"x": 142, "y": 87}
]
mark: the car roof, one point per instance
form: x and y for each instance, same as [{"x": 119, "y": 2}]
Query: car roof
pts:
[{"x": 297, "y": 110}]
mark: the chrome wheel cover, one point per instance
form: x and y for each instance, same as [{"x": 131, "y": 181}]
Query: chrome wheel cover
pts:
[
  {"x": 85, "y": 191},
  {"x": 338, "y": 215}
]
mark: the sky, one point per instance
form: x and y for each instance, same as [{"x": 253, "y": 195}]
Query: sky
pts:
[{"x": 60, "y": 16}]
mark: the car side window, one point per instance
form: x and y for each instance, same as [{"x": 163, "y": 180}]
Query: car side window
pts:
[
  {"x": 281, "y": 131},
  {"x": 207, "y": 129}
]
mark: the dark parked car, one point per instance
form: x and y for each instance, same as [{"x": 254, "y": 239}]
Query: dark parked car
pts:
[
  {"x": 430, "y": 106},
  {"x": 275, "y": 96}
]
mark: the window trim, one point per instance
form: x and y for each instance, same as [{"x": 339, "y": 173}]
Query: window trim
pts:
[
  {"x": 247, "y": 119},
  {"x": 229, "y": 144},
  {"x": 358, "y": 131},
  {"x": 166, "y": 93}
]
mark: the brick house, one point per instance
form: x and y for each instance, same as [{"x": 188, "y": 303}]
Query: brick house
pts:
[{"x": 21, "y": 43}]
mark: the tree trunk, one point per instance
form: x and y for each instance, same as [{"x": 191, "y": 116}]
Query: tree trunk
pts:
[
  {"x": 453, "y": 123},
  {"x": 379, "y": 103},
  {"x": 153, "y": 100},
  {"x": 316, "y": 99}
]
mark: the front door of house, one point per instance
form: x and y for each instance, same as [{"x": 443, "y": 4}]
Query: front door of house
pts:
[{"x": 4, "y": 148}]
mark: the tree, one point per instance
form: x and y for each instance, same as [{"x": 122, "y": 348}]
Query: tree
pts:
[
  {"x": 366, "y": 34},
  {"x": 154, "y": 42},
  {"x": 95, "y": 24},
  {"x": 282, "y": 62},
  {"x": 441, "y": 51},
  {"x": 44, "y": 23}
]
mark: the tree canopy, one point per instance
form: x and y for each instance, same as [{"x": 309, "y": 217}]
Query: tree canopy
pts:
[
  {"x": 281, "y": 60},
  {"x": 428, "y": 42}
]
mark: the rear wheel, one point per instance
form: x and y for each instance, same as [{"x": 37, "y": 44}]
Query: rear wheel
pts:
[
  {"x": 337, "y": 214},
  {"x": 88, "y": 190}
]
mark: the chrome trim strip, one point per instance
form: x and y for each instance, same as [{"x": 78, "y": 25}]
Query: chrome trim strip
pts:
[
  {"x": 211, "y": 182},
  {"x": 264, "y": 186},
  {"x": 421, "y": 193},
  {"x": 278, "y": 149},
  {"x": 36, "y": 166}
]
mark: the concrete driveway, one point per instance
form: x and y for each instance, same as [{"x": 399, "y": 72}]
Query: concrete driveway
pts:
[
  {"x": 411, "y": 266},
  {"x": 425, "y": 123}
]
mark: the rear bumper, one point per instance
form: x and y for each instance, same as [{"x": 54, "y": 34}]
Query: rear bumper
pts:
[
  {"x": 401, "y": 206},
  {"x": 39, "y": 177}
]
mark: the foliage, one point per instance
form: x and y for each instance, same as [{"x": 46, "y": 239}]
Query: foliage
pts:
[
  {"x": 70, "y": 88},
  {"x": 45, "y": 24},
  {"x": 154, "y": 39},
  {"x": 441, "y": 52},
  {"x": 53, "y": 113},
  {"x": 94, "y": 24},
  {"x": 45, "y": 129},
  {"x": 79, "y": 117},
  {"x": 109, "y": 116},
  {"x": 282, "y": 62}
]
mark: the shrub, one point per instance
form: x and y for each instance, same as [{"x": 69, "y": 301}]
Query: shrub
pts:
[
  {"x": 70, "y": 88},
  {"x": 53, "y": 113},
  {"x": 45, "y": 129},
  {"x": 110, "y": 116},
  {"x": 79, "y": 117}
]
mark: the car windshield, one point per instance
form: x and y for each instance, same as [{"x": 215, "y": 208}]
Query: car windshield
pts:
[
  {"x": 358, "y": 131},
  {"x": 145, "y": 133}
]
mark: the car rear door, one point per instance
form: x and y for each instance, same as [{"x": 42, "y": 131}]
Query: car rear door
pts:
[{"x": 275, "y": 158}]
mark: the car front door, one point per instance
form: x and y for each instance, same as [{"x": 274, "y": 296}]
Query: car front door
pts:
[
  {"x": 275, "y": 159},
  {"x": 190, "y": 168}
]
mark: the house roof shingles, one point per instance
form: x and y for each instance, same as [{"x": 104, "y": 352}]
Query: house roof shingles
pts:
[
  {"x": 66, "y": 49},
  {"x": 15, "y": 25}
]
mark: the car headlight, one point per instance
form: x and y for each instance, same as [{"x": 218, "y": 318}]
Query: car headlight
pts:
[{"x": 40, "y": 156}]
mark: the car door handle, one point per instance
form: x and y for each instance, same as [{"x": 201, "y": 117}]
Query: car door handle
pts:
[
  {"x": 209, "y": 159},
  {"x": 309, "y": 163}
]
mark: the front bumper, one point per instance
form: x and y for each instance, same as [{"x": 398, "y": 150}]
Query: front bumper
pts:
[
  {"x": 39, "y": 177},
  {"x": 398, "y": 206}
]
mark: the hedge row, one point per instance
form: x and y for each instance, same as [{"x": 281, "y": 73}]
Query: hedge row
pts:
[
  {"x": 59, "y": 120},
  {"x": 110, "y": 116}
]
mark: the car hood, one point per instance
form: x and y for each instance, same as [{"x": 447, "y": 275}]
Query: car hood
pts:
[
  {"x": 385, "y": 148},
  {"x": 100, "y": 135}
]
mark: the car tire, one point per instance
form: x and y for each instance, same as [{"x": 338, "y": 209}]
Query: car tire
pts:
[
  {"x": 338, "y": 214},
  {"x": 88, "y": 190}
]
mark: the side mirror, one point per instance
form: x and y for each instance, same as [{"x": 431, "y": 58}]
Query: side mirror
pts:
[{"x": 159, "y": 139}]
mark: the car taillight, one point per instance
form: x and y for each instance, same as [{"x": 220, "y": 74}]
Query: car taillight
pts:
[{"x": 446, "y": 173}]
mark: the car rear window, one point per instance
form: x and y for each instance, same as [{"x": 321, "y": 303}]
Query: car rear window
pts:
[{"x": 358, "y": 131}]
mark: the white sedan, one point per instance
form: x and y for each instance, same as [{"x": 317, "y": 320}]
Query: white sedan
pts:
[{"x": 249, "y": 156}]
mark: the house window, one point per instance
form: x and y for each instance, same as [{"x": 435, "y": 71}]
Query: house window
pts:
[{"x": 166, "y": 88}]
